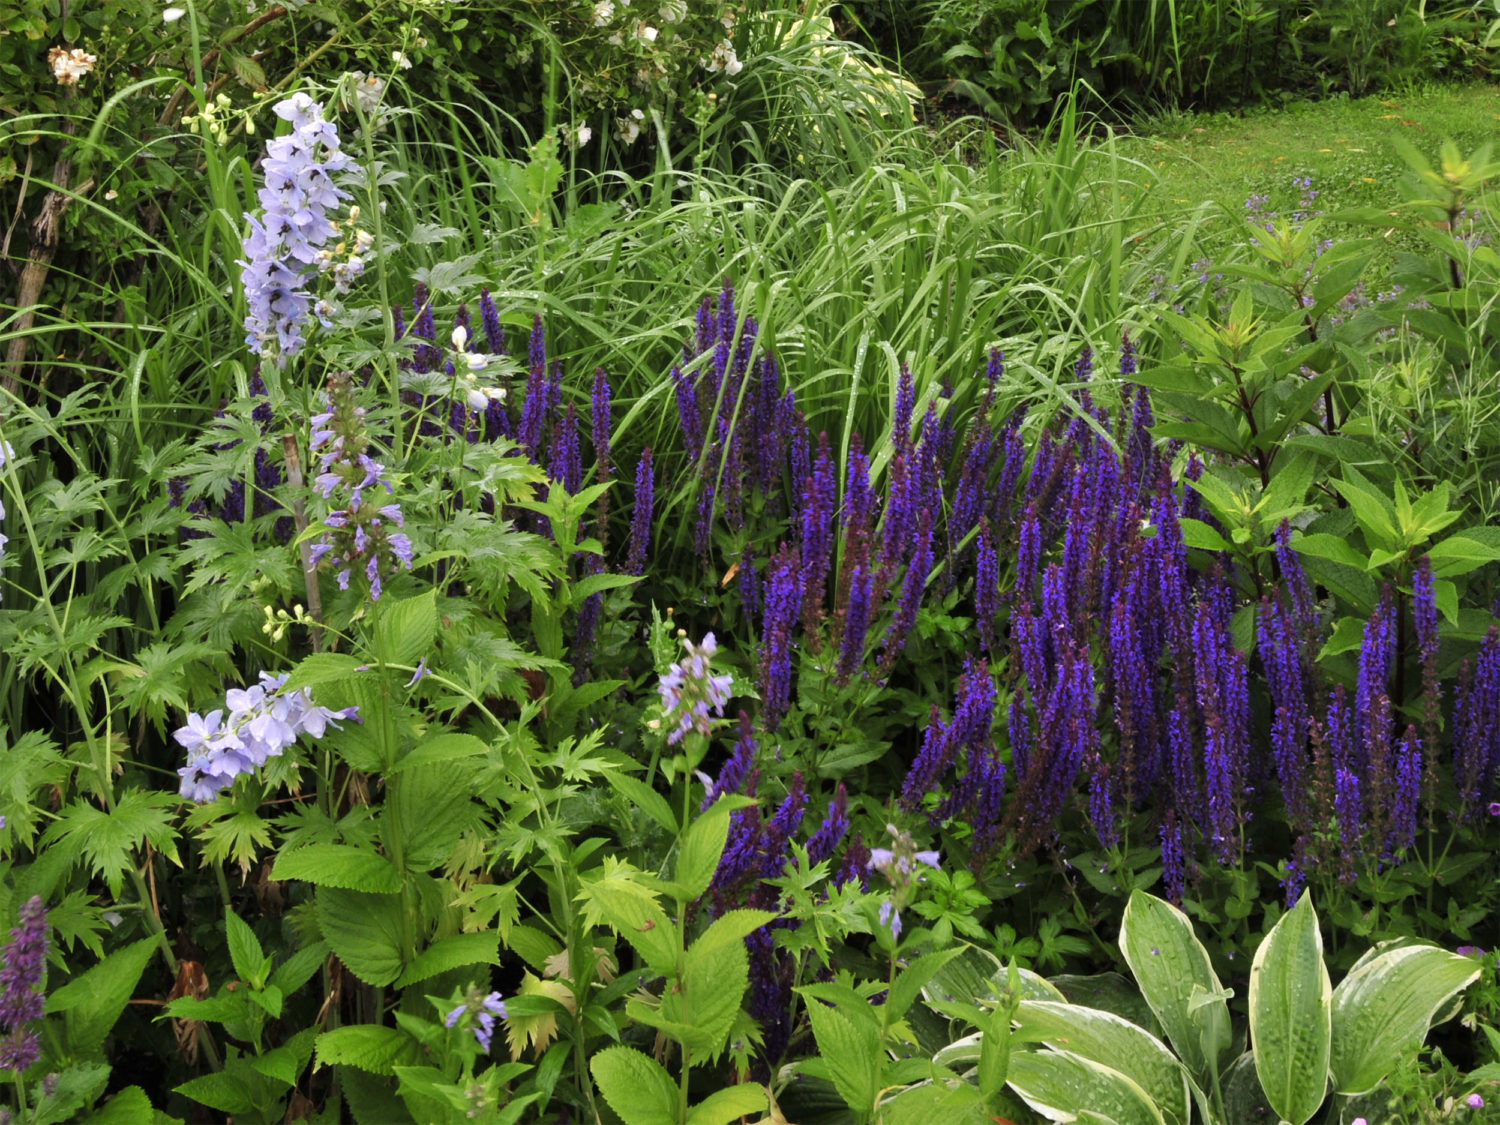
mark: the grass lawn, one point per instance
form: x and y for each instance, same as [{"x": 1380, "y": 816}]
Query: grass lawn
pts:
[{"x": 1347, "y": 146}]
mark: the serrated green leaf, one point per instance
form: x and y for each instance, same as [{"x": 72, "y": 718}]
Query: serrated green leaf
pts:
[
  {"x": 93, "y": 1001},
  {"x": 850, "y": 1050},
  {"x": 250, "y": 962},
  {"x": 322, "y": 668},
  {"x": 365, "y": 1046},
  {"x": 225, "y": 1091},
  {"x": 1196, "y": 533},
  {"x": 407, "y": 628},
  {"x": 909, "y": 982},
  {"x": 436, "y": 807},
  {"x": 729, "y": 1104},
  {"x": 702, "y": 845},
  {"x": 442, "y": 748},
  {"x": 452, "y": 953},
  {"x": 637, "y": 1087},
  {"x": 1291, "y": 1013},
  {"x": 107, "y": 840},
  {"x": 338, "y": 865},
  {"x": 364, "y": 932},
  {"x": 648, "y": 800}
]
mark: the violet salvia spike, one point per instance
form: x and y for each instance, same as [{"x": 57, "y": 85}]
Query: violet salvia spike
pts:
[
  {"x": 818, "y": 500},
  {"x": 910, "y": 600},
  {"x": 640, "y": 520},
  {"x": 736, "y": 767},
  {"x": 489, "y": 316},
  {"x": 856, "y": 624},
  {"x": 821, "y": 844},
  {"x": 20, "y": 1004},
  {"x": 599, "y": 419},
  {"x": 986, "y": 587},
  {"x": 783, "y": 601}
]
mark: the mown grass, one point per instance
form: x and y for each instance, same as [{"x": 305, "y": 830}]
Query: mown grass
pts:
[{"x": 1347, "y": 146}]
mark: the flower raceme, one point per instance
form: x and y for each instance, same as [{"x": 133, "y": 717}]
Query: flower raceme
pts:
[
  {"x": 483, "y": 1009},
  {"x": 285, "y": 245},
  {"x": 689, "y": 689},
  {"x": 361, "y": 535},
  {"x": 256, "y": 723},
  {"x": 20, "y": 1003}
]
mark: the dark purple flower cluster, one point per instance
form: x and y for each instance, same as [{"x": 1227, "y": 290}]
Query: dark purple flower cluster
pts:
[{"x": 20, "y": 1002}]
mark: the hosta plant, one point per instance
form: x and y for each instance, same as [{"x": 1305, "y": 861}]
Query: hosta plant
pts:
[{"x": 1306, "y": 1039}]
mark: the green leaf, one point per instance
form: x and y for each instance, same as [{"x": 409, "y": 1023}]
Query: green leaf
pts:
[
  {"x": 1335, "y": 548},
  {"x": 1385, "y": 1006},
  {"x": 407, "y": 628},
  {"x": 702, "y": 845},
  {"x": 1061, "y": 1082},
  {"x": 299, "y": 968},
  {"x": 130, "y": 1106},
  {"x": 637, "y": 1087},
  {"x": 1196, "y": 533},
  {"x": 729, "y": 1104},
  {"x": 910, "y": 981},
  {"x": 286, "y": 1063},
  {"x": 93, "y": 1002},
  {"x": 322, "y": 668},
  {"x": 851, "y": 1051},
  {"x": 1374, "y": 512},
  {"x": 364, "y": 932},
  {"x": 1169, "y": 963},
  {"x": 338, "y": 865},
  {"x": 647, "y": 799},
  {"x": 451, "y": 953},
  {"x": 1114, "y": 1041},
  {"x": 436, "y": 807},
  {"x": 107, "y": 840},
  {"x": 443, "y": 748},
  {"x": 225, "y": 1091},
  {"x": 250, "y": 962},
  {"x": 1291, "y": 1014},
  {"x": 365, "y": 1046},
  {"x": 1460, "y": 554}
]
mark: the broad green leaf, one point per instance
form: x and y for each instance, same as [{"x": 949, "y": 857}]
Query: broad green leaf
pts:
[
  {"x": 975, "y": 979},
  {"x": 1196, "y": 533},
  {"x": 322, "y": 668},
  {"x": 729, "y": 1104},
  {"x": 851, "y": 1051},
  {"x": 637, "y": 1087},
  {"x": 647, "y": 799},
  {"x": 1459, "y": 554},
  {"x": 250, "y": 962},
  {"x": 286, "y": 1063},
  {"x": 1291, "y": 1014},
  {"x": 1169, "y": 963},
  {"x": 631, "y": 909},
  {"x": 1375, "y": 513},
  {"x": 364, "y": 932},
  {"x": 338, "y": 865},
  {"x": 407, "y": 628},
  {"x": 1385, "y": 1006},
  {"x": 225, "y": 1091},
  {"x": 702, "y": 845},
  {"x": 730, "y": 928},
  {"x": 94, "y": 1000},
  {"x": 1335, "y": 548},
  {"x": 1114, "y": 1041},
  {"x": 452, "y": 953},
  {"x": 436, "y": 807},
  {"x": 130, "y": 1106},
  {"x": 909, "y": 982},
  {"x": 366, "y": 1046},
  {"x": 443, "y": 748},
  {"x": 1061, "y": 1082}
]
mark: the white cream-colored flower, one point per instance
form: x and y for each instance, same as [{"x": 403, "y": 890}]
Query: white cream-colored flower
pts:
[
  {"x": 400, "y": 59},
  {"x": 69, "y": 66},
  {"x": 604, "y": 11},
  {"x": 578, "y": 135},
  {"x": 645, "y": 31},
  {"x": 629, "y": 128},
  {"x": 674, "y": 11},
  {"x": 172, "y": 15}
]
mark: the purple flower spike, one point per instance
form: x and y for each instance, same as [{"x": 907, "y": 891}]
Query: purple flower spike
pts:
[{"x": 20, "y": 1003}]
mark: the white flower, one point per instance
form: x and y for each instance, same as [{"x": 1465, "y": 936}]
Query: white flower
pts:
[
  {"x": 604, "y": 11},
  {"x": 644, "y": 30},
  {"x": 400, "y": 59},
  {"x": 460, "y": 337},
  {"x": 628, "y": 129},
  {"x": 69, "y": 66},
  {"x": 674, "y": 11},
  {"x": 723, "y": 58},
  {"x": 578, "y": 135},
  {"x": 172, "y": 15}
]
